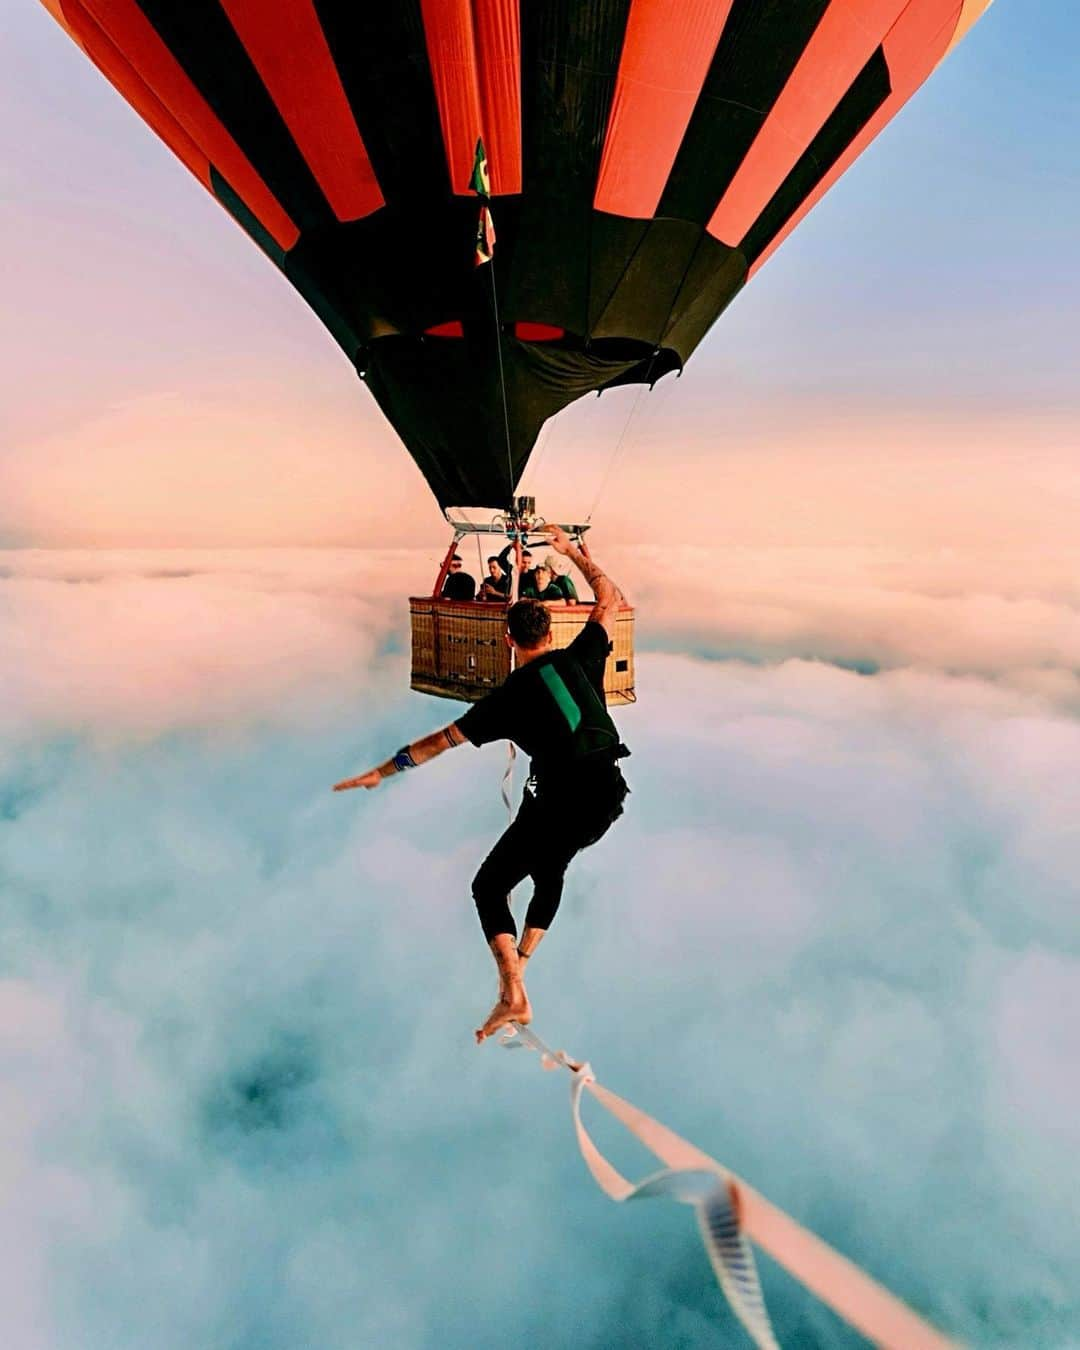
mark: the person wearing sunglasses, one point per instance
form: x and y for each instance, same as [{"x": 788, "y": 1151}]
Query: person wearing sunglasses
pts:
[{"x": 459, "y": 584}]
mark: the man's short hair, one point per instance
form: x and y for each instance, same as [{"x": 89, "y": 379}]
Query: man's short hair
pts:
[
  {"x": 455, "y": 557},
  {"x": 494, "y": 558},
  {"x": 528, "y": 623}
]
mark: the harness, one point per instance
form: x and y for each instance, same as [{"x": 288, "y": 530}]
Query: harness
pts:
[
  {"x": 583, "y": 712},
  {"x": 593, "y": 738}
]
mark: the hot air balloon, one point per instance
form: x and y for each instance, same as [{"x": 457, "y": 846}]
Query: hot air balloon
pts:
[{"x": 645, "y": 158}]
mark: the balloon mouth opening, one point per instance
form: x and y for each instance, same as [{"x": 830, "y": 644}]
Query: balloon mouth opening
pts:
[{"x": 607, "y": 348}]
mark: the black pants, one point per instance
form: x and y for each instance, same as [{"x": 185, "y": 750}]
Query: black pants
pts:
[{"x": 539, "y": 843}]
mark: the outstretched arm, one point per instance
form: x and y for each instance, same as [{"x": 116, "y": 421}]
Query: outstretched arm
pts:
[
  {"x": 608, "y": 596},
  {"x": 408, "y": 757}
]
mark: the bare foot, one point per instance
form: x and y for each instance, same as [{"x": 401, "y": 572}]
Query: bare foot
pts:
[{"x": 511, "y": 1007}]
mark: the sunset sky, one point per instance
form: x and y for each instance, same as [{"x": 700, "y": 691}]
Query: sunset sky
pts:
[
  {"x": 835, "y": 940},
  {"x": 905, "y": 366}
]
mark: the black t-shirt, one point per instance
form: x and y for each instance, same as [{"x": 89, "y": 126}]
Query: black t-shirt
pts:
[
  {"x": 553, "y": 708},
  {"x": 501, "y": 585},
  {"x": 458, "y": 586}
]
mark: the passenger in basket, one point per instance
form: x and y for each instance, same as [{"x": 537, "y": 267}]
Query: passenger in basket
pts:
[
  {"x": 459, "y": 585},
  {"x": 507, "y": 566},
  {"x": 561, "y": 578},
  {"x": 543, "y": 587},
  {"x": 496, "y": 585}
]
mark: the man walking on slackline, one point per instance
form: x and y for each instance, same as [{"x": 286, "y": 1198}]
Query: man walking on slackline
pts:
[{"x": 552, "y": 706}]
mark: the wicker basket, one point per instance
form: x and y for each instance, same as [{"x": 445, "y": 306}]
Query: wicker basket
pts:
[{"x": 458, "y": 649}]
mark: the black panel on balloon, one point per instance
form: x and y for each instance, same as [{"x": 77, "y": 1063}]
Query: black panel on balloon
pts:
[
  {"x": 570, "y": 60},
  {"x": 381, "y": 55},
  {"x": 868, "y": 92},
  {"x": 202, "y": 40},
  {"x": 760, "y": 46}
]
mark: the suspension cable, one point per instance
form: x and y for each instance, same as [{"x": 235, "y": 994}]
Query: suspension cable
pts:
[
  {"x": 643, "y": 389},
  {"x": 652, "y": 362},
  {"x": 543, "y": 441},
  {"x": 502, "y": 381}
]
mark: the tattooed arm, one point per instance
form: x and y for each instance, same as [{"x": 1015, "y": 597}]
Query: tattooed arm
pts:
[
  {"x": 608, "y": 596},
  {"x": 408, "y": 757}
]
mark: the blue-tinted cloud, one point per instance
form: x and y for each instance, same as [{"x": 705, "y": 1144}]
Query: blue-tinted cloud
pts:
[{"x": 833, "y": 942}]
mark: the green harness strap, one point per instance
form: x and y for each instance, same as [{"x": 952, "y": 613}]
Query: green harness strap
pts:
[{"x": 562, "y": 696}]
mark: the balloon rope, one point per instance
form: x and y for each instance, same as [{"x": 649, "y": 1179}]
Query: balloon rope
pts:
[
  {"x": 648, "y": 374},
  {"x": 730, "y": 1215},
  {"x": 502, "y": 383},
  {"x": 642, "y": 390},
  {"x": 532, "y": 469}
]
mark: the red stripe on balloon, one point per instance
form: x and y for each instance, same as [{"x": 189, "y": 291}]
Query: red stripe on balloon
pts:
[
  {"x": 538, "y": 332},
  {"x": 84, "y": 31},
  {"x": 474, "y": 50},
  {"x": 668, "y": 48},
  {"x": 289, "y": 50},
  {"x": 847, "y": 36},
  {"x": 912, "y": 48},
  {"x": 56, "y": 9},
  {"x": 498, "y": 41},
  {"x": 150, "y": 78}
]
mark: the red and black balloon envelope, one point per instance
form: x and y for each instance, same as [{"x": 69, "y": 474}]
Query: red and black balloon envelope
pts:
[{"x": 645, "y": 158}]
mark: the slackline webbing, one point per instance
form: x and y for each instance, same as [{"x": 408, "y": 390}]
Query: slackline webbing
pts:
[
  {"x": 512, "y": 595},
  {"x": 506, "y": 787},
  {"x": 731, "y": 1215}
]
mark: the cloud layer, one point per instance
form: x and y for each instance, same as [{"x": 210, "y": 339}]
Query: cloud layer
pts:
[
  {"x": 1012, "y": 617},
  {"x": 834, "y": 942}
]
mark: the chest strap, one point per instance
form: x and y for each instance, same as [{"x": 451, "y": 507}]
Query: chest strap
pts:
[{"x": 565, "y": 700}]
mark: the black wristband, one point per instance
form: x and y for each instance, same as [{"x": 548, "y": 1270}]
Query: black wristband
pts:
[{"x": 403, "y": 760}]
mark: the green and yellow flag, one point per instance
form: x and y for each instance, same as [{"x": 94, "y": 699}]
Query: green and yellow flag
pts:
[{"x": 480, "y": 182}]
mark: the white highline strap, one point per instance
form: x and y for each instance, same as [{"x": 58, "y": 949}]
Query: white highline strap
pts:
[
  {"x": 507, "y": 787},
  {"x": 729, "y": 1212}
]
